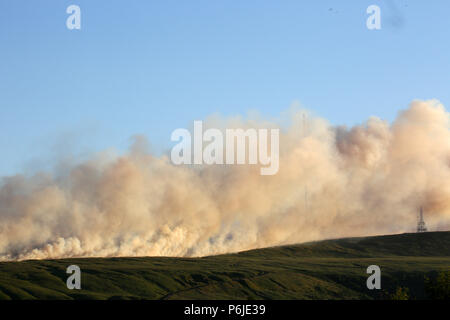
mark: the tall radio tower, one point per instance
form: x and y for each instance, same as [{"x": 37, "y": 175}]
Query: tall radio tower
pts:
[
  {"x": 304, "y": 130},
  {"x": 421, "y": 227}
]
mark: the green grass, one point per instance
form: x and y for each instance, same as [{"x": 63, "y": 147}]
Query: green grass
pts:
[{"x": 332, "y": 269}]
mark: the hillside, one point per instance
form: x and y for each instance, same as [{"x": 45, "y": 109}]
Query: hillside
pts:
[{"x": 331, "y": 269}]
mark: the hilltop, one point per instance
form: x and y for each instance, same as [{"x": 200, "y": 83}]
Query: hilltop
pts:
[{"x": 330, "y": 269}]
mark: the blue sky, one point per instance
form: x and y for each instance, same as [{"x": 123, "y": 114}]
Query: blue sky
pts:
[{"x": 149, "y": 67}]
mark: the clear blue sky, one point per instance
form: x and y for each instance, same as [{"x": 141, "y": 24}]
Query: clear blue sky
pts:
[{"x": 148, "y": 67}]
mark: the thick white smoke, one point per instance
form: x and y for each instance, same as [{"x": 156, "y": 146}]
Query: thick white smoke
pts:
[{"x": 332, "y": 182}]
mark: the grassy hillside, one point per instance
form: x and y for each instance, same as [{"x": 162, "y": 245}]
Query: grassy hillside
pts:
[{"x": 332, "y": 269}]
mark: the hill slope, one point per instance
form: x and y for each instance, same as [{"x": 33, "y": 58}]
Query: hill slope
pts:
[{"x": 331, "y": 269}]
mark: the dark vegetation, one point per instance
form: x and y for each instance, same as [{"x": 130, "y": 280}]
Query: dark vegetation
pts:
[{"x": 413, "y": 266}]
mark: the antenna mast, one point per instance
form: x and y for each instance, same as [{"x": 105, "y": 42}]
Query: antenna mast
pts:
[
  {"x": 421, "y": 227},
  {"x": 304, "y": 129}
]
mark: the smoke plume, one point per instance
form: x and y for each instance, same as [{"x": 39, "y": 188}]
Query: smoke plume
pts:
[{"x": 332, "y": 182}]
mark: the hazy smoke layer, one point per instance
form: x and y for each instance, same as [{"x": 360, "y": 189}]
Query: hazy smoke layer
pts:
[{"x": 332, "y": 182}]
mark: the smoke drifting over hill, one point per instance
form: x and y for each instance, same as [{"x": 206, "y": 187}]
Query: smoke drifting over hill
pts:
[{"x": 332, "y": 182}]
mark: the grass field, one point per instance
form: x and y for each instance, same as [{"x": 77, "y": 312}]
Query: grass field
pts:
[{"x": 331, "y": 269}]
